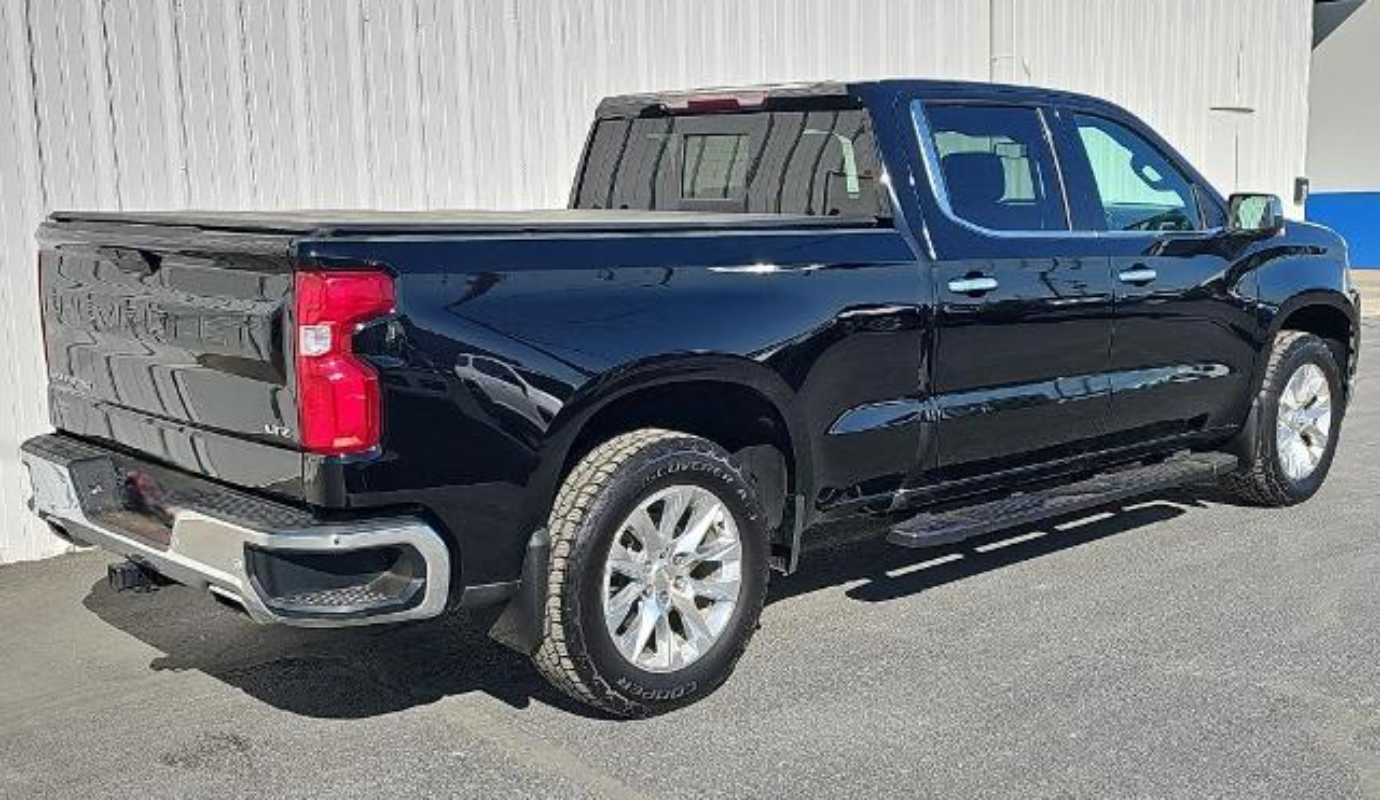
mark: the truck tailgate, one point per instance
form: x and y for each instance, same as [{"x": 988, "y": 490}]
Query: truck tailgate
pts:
[{"x": 170, "y": 342}]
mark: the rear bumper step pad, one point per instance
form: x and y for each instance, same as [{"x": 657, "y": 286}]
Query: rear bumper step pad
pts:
[{"x": 276, "y": 562}]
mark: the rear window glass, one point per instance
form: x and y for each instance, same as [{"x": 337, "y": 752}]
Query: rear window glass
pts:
[
  {"x": 714, "y": 166},
  {"x": 821, "y": 162}
]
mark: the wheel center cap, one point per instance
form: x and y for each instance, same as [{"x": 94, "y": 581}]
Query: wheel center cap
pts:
[{"x": 658, "y": 575}]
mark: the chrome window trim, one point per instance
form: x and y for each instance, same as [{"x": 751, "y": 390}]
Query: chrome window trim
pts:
[
  {"x": 1058, "y": 166},
  {"x": 930, "y": 159}
]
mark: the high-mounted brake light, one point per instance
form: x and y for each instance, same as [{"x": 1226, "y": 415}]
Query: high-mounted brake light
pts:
[
  {"x": 337, "y": 393},
  {"x": 711, "y": 102}
]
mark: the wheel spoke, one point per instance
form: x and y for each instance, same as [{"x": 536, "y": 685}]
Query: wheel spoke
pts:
[
  {"x": 705, "y": 511},
  {"x": 635, "y": 639},
  {"x": 672, "y": 510},
  {"x": 1291, "y": 397},
  {"x": 718, "y": 550},
  {"x": 1300, "y": 380},
  {"x": 1296, "y": 459},
  {"x": 641, "y": 525},
  {"x": 665, "y": 641},
  {"x": 620, "y": 604},
  {"x": 1314, "y": 384},
  {"x": 714, "y": 589},
  {"x": 698, "y": 633},
  {"x": 630, "y": 563},
  {"x": 1308, "y": 457},
  {"x": 1314, "y": 449},
  {"x": 1315, "y": 412}
]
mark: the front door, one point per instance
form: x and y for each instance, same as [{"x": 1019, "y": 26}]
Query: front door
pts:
[
  {"x": 1182, "y": 354},
  {"x": 1023, "y": 313}
]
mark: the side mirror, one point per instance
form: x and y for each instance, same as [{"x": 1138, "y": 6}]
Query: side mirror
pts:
[{"x": 1261, "y": 214}]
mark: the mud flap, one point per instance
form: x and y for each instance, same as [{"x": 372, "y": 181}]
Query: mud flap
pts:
[
  {"x": 1242, "y": 445},
  {"x": 519, "y": 625}
]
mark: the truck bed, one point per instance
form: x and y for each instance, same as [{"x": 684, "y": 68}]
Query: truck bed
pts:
[
  {"x": 325, "y": 224},
  {"x": 166, "y": 332}
]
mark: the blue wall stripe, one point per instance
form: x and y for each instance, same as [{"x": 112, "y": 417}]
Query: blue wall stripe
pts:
[{"x": 1356, "y": 216}]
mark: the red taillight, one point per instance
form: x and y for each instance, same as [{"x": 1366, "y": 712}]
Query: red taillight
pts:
[{"x": 337, "y": 393}]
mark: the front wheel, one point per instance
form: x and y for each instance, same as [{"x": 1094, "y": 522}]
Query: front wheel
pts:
[
  {"x": 1299, "y": 413},
  {"x": 658, "y": 573}
]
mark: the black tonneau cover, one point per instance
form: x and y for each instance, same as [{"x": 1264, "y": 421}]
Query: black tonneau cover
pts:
[{"x": 357, "y": 223}]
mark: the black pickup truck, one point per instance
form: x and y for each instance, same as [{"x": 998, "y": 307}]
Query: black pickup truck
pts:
[{"x": 927, "y": 310}]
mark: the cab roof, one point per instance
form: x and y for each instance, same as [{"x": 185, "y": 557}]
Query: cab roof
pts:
[{"x": 772, "y": 96}]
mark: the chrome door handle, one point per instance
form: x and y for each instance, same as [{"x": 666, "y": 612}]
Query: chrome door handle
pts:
[
  {"x": 980, "y": 284},
  {"x": 1138, "y": 275}
]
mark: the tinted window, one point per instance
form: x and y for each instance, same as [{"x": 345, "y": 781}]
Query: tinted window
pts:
[
  {"x": 819, "y": 162},
  {"x": 714, "y": 166},
  {"x": 997, "y": 167},
  {"x": 1139, "y": 189}
]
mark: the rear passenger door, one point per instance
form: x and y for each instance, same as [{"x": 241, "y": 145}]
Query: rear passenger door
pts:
[
  {"x": 1181, "y": 355},
  {"x": 1023, "y": 308}
]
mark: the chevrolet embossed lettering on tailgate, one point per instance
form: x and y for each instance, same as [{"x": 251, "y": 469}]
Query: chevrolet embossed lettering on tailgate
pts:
[{"x": 183, "y": 338}]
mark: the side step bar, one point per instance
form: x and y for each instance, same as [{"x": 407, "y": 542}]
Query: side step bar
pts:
[{"x": 946, "y": 527}]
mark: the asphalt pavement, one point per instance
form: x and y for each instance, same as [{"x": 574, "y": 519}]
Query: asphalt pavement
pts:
[{"x": 1182, "y": 647}]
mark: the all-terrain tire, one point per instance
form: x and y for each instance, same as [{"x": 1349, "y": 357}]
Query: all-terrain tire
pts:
[
  {"x": 577, "y": 653},
  {"x": 1262, "y": 479}
]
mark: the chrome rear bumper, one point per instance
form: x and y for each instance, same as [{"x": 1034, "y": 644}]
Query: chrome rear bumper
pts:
[{"x": 261, "y": 567}]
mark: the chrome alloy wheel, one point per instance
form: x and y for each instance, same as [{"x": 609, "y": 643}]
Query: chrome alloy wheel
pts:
[
  {"x": 1304, "y": 422},
  {"x": 672, "y": 579}
]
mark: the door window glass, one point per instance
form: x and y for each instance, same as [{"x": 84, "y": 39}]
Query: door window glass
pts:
[
  {"x": 997, "y": 167},
  {"x": 1139, "y": 189}
]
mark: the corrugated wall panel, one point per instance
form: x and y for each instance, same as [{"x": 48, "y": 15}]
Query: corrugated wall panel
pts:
[
  {"x": 445, "y": 103},
  {"x": 22, "y": 400},
  {"x": 1173, "y": 62}
]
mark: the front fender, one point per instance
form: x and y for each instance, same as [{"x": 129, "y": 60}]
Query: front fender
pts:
[{"x": 1311, "y": 273}]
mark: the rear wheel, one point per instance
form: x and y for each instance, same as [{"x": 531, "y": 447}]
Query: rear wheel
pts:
[
  {"x": 658, "y": 573},
  {"x": 1300, "y": 410}
]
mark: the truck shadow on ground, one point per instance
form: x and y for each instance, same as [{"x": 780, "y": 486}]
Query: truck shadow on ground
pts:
[
  {"x": 880, "y": 572},
  {"x": 349, "y": 673},
  {"x": 366, "y": 672}
]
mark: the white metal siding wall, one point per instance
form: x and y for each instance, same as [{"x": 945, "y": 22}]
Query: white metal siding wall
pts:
[
  {"x": 1172, "y": 62},
  {"x": 1343, "y": 151},
  {"x": 135, "y": 104}
]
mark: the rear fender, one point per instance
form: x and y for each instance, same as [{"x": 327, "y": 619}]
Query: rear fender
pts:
[{"x": 615, "y": 385}]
